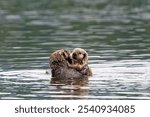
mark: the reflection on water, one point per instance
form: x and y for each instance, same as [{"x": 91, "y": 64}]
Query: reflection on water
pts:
[
  {"x": 114, "y": 33},
  {"x": 77, "y": 87}
]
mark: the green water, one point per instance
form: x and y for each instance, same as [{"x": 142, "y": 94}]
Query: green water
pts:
[{"x": 115, "y": 33}]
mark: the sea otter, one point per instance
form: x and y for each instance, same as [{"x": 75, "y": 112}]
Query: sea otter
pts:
[
  {"x": 79, "y": 59},
  {"x": 63, "y": 66}
]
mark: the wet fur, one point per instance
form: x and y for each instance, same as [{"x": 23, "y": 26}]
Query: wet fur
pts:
[
  {"x": 59, "y": 64},
  {"x": 79, "y": 59}
]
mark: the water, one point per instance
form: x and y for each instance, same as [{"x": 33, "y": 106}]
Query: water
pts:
[{"x": 116, "y": 35}]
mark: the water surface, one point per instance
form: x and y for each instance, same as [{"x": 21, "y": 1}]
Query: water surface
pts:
[{"x": 116, "y": 35}]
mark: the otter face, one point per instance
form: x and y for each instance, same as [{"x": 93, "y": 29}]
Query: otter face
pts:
[
  {"x": 60, "y": 56},
  {"x": 66, "y": 55},
  {"x": 79, "y": 55}
]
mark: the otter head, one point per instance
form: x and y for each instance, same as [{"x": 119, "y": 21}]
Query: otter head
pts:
[
  {"x": 79, "y": 55},
  {"x": 65, "y": 55},
  {"x": 60, "y": 57}
]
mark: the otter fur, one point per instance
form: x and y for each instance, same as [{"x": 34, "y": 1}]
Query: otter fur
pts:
[
  {"x": 80, "y": 60},
  {"x": 63, "y": 66}
]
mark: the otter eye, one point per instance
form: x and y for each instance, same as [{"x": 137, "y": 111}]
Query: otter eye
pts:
[
  {"x": 74, "y": 55},
  {"x": 64, "y": 54}
]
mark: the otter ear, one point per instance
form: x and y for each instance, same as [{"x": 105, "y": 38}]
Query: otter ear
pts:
[
  {"x": 85, "y": 55},
  {"x": 62, "y": 51}
]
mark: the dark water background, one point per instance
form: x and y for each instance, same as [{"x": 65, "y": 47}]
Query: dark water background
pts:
[{"x": 115, "y": 33}]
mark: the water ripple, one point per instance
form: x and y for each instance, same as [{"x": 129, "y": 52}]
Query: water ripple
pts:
[{"x": 114, "y": 33}]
